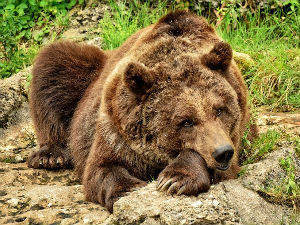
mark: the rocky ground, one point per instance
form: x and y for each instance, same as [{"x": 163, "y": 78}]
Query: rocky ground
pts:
[{"x": 30, "y": 196}]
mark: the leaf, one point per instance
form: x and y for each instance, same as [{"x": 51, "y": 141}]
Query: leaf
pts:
[
  {"x": 24, "y": 19},
  {"x": 32, "y": 2},
  {"x": 10, "y": 7},
  {"x": 43, "y": 3},
  {"x": 21, "y": 34},
  {"x": 71, "y": 4},
  {"x": 20, "y": 12},
  {"x": 22, "y": 6}
]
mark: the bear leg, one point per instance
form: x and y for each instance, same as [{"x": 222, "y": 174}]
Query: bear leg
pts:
[
  {"x": 107, "y": 184},
  {"x": 187, "y": 174},
  {"x": 61, "y": 73}
]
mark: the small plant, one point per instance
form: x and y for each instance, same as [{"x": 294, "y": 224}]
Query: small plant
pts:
[
  {"x": 258, "y": 148},
  {"x": 288, "y": 191}
]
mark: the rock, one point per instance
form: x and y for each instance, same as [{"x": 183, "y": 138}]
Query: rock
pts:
[
  {"x": 259, "y": 174},
  {"x": 30, "y": 196},
  {"x": 244, "y": 61},
  {"x": 17, "y": 137},
  {"x": 288, "y": 122},
  {"x": 13, "y": 92},
  {"x": 16, "y": 130},
  {"x": 147, "y": 203},
  {"x": 225, "y": 203}
]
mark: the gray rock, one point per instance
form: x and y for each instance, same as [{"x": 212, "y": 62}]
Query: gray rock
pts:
[
  {"x": 225, "y": 203},
  {"x": 13, "y": 93},
  {"x": 17, "y": 137}
]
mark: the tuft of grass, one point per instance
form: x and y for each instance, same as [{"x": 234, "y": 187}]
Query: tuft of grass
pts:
[
  {"x": 11, "y": 160},
  {"x": 255, "y": 150},
  {"x": 125, "y": 19},
  {"x": 297, "y": 146},
  {"x": 20, "y": 59}
]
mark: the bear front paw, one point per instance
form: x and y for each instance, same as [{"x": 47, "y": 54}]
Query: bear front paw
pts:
[
  {"x": 180, "y": 183},
  {"x": 54, "y": 157},
  {"x": 187, "y": 175}
]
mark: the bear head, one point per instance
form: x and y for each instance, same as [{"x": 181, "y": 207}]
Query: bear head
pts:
[{"x": 173, "y": 92}]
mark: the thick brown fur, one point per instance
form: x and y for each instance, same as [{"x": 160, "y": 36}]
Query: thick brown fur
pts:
[
  {"x": 61, "y": 74},
  {"x": 164, "y": 104}
]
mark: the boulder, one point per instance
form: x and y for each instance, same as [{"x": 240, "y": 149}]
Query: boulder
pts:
[{"x": 231, "y": 202}]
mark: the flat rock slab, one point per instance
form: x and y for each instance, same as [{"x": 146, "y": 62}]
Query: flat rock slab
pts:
[
  {"x": 30, "y": 196},
  {"x": 288, "y": 122},
  {"x": 226, "y": 203}
]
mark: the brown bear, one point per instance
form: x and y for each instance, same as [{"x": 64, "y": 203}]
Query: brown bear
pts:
[{"x": 170, "y": 103}]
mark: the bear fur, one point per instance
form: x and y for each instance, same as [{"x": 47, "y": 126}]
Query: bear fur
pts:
[{"x": 170, "y": 103}]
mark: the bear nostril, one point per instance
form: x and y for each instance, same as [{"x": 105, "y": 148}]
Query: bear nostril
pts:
[{"x": 223, "y": 154}]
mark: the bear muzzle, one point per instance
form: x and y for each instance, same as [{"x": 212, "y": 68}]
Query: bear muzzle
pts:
[{"x": 223, "y": 154}]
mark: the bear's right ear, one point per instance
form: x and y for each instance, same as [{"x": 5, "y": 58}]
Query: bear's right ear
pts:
[
  {"x": 219, "y": 57},
  {"x": 138, "y": 78}
]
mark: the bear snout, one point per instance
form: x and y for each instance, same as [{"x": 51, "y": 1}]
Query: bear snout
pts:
[{"x": 223, "y": 155}]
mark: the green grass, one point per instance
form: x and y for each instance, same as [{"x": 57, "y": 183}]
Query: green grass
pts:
[
  {"x": 255, "y": 150},
  {"x": 124, "y": 20},
  {"x": 274, "y": 44}
]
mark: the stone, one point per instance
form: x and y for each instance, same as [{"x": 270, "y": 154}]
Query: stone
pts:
[
  {"x": 223, "y": 204},
  {"x": 44, "y": 197},
  {"x": 288, "y": 122},
  {"x": 13, "y": 92}
]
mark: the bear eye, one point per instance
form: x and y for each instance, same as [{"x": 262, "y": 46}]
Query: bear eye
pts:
[
  {"x": 187, "y": 123},
  {"x": 219, "y": 111}
]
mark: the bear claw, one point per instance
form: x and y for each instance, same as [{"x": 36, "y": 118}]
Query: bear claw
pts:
[{"x": 44, "y": 159}]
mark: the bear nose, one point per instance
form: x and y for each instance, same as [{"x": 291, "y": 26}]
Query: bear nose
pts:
[{"x": 223, "y": 154}]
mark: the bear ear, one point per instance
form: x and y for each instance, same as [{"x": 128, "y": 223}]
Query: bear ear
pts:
[
  {"x": 219, "y": 57},
  {"x": 138, "y": 78}
]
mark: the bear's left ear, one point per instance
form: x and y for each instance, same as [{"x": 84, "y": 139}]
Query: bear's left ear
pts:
[
  {"x": 219, "y": 57},
  {"x": 138, "y": 78}
]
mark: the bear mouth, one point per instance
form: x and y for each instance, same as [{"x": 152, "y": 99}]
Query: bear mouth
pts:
[{"x": 223, "y": 167}]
